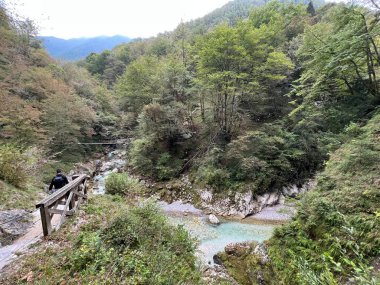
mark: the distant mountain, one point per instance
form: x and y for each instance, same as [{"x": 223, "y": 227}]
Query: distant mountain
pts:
[{"x": 75, "y": 49}]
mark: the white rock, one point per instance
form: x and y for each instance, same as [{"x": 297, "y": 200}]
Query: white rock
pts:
[
  {"x": 281, "y": 200},
  {"x": 273, "y": 199},
  {"x": 291, "y": 190},
  {"x": 206, "y": 196},
  {"x": 213, "y": 219},
  {"x": 294, "y": 190},
  {"x": 244, "y": 204},
  {"x": 262, "y": 252}
]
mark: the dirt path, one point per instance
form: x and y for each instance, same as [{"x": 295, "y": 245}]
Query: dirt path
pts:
[{"x": 34, "y": 234}]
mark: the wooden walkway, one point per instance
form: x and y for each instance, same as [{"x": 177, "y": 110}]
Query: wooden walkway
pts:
[
  {"x": 50, "y": 215},
  {"x": 20, "y": 245}
]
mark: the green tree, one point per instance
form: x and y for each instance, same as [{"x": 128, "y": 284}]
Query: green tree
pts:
[
  {"x": 341, "y": 51},
  {"x": 67, "y": 119},
  {"x": 222, "y": 68},
  {"x": 140, "y": 84},
  {"x": 240, "y": 69}
]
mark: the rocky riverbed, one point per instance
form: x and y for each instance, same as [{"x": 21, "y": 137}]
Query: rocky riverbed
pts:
[
  {"x": 14, "y": 223},
  {"x": 231, "y": 204}
]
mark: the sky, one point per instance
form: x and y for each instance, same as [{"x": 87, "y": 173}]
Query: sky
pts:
[{"x": 89, "y": 18}]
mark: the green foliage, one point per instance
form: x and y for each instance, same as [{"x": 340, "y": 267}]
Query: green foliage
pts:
[
  {"x": 15, "y": 165},
  {"x": 213, "y": 176},
  {"x": 246, "y": 267},
  {"x": 115, "y": 245},
  {"x": 141, "y": 155},
  {"x": 137, "y": 247},
  {"x": 150, "y": 158},
  {"x": 227, "y": 69},
  {"x": 167, "y": 166},
  {"x": 265, "y": 158},
  {"x": 211, "y": 172},
  {"x": 140, "y": 83},
  {"x": 122, "y": 184},
  {"x": 17, "y": 198},
  {"x": 166, "y": 135},
  {"x": 336, "y": 57},
  {"x": 335, "y": 235},
  {"x": 67, "y": 118}
]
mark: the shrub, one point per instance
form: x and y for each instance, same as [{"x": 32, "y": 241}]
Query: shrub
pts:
[
  {"x": 121, "y": 183},
  {"x": 168, "y": 166},
  {"x": 141, "y": 154},
  {"x": 213, "y": 176},
  {"x": 14, "y": 165},
  {"x": 139, "y": 246},
  {"x": 149, "y": 158}
]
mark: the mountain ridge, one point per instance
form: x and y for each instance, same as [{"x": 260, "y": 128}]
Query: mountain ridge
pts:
[{"x": 78, "y": 48}]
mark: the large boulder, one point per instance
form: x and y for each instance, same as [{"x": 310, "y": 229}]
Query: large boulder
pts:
[
  {"x": 213, "y": 219},
  {"x": 247, "y": 262},
  {"x": 217, "y": 275},
  {"x": 239, "y": 249}
]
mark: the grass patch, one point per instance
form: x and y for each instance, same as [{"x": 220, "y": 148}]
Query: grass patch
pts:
[{"x": 18, "y": 198}]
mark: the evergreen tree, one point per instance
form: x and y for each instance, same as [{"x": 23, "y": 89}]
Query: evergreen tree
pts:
[{"x": 310, "y": 8}]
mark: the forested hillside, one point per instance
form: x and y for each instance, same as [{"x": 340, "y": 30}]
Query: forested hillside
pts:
[
  {"x": 240, "y": 101},
  {"x": 234, "y": 11},
  {"x": 45, "y": 110},
  {"x": 334, "y": 239},
  {"x": 257, "y": 105}
]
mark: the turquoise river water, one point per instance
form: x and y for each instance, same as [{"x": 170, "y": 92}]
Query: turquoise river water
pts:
[{"x": 213, "y": 239}]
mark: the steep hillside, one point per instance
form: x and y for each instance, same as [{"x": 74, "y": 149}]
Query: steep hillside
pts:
[
  {"x": 75, "y": 49},
  {"x": 234, "y": 11},
  {"x": 335, "y": 237},
  {"x": 45, "y": 110}
]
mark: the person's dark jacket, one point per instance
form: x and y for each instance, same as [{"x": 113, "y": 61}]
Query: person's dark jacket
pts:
[{"x": 58, "y": 182}]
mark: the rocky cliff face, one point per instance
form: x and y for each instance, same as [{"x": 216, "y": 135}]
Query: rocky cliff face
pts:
[
  {"x": 246, "y": 203},
  {"x": 240, "y": 204}
]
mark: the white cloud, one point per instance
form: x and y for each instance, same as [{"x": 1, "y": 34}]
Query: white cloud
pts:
[{"x": 87, "y": 18}]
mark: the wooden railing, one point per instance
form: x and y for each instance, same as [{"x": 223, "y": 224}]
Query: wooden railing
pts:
[{"x": 71, "y": 196}]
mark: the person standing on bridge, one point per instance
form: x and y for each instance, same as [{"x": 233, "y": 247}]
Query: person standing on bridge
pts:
[{"x": 58, "y": 181}]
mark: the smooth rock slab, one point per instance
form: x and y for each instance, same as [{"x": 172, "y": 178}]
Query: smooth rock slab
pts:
[{"x": 14, "y": 223}]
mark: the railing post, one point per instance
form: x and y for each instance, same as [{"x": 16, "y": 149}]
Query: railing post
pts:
[
  {"x": 85, "y": 188},
  {"x": 46, "y": 220},
  {"x": 72, "y": 201}
]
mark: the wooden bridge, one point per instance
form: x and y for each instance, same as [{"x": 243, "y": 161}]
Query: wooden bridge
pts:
[{"x": 70, "y": 196}]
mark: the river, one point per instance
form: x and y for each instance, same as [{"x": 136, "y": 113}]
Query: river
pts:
[{"x": 212, "y": 238}]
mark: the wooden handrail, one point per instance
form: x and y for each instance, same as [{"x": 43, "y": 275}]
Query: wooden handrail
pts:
[
  {"x": 71, "y": 196},
  {"x": 61, "y": 192}
]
